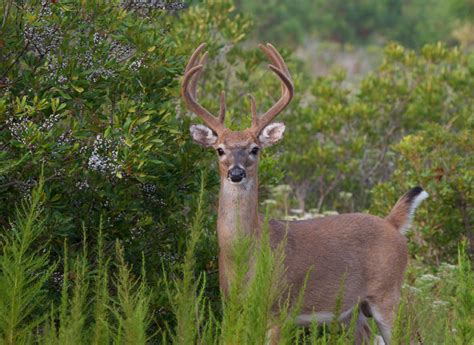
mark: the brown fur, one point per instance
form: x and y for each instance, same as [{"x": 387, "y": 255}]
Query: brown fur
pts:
[
  {"x": 363, "y": 252},
  {"x": 398, "y": 214}
]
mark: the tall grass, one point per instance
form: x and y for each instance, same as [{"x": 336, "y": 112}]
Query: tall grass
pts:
[
  {"x": 24, "y": 270},
  {"x": 102, "y": 302},
  {"x": 438, "y": 303},
  {"x": 186, "y": 293},
  {"x": 254, "y": 293}
]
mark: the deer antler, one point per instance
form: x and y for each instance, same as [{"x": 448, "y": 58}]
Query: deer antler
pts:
[
  {"x": 191, "y": 78},
  {"x": 279, "y": 67},
  {"x": 188, "y": 90}
]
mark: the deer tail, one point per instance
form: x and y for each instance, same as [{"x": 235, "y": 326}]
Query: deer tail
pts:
[{"x": 402, "y": 213}]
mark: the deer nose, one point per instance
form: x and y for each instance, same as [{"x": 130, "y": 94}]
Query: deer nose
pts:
[{"x": 236, "y": 174}]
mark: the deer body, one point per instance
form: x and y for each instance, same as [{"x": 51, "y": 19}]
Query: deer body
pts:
[
  {"x": 358, "y": 252},
  {"x": 363, "y": 254}
]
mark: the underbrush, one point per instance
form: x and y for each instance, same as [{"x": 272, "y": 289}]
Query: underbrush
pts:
[{"x": 102, "y": 302}]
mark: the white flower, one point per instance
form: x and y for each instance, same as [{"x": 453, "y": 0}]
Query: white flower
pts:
[
  {"x": 81, "y": 185},
  {"x": 136, "y": 65},
  {"x": 429, "y": 278},
  {"x": 104, "y": 157},
  {"x": 142, "y": 5},
  {"x": 281, "y": 189},
  {"x": 447, "y": 266},
  {"x": 412, "y": 289},
  {"x": 440, "y": 303},
  {"x": 149, "y": 188},
  {"x": 297, "y": 211}
]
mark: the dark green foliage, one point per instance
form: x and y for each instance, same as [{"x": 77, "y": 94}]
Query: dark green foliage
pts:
[
  {"x": 90, "y": 92},
  {"x": 281, "y": 21},
  {"x": 441, "y": 160},
  {"x": 355, "y": 21},
  {"x": 437, "y": 112},
  {"x": 412, "y": 23}
]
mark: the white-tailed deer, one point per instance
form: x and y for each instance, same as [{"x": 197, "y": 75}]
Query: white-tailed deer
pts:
[{"x": 366, "y": 252}]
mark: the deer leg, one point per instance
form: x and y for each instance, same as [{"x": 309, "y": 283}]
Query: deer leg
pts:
[
  {"x": 378, "y": 340},
  {"x": 364, "y": 334},
  {"x": 274, "y": 335},
  {"x": 383, "y": 314},
  {"x": 362, "y": 331}
]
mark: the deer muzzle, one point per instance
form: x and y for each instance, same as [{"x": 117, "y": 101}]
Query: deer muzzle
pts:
[{"x": 236, "y": 174}]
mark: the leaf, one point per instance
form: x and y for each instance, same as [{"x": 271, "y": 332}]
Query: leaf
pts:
[
  {"x": 78, "y": 88},
  {"x": 142, "y": 120}
]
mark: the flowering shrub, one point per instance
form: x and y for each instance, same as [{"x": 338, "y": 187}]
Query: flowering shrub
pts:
[{"x": 88, "y": 94}]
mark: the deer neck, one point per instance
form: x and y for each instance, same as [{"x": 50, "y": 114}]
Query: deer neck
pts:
[{"x": 238, "y": 210}]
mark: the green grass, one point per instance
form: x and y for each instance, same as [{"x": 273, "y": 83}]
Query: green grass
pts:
[{"x": 103, "y": 302}]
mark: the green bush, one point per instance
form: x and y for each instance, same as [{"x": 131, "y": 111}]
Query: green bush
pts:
[
  {"x": 90, "y": 92},
  {"x": 436, "y": 151},
  {"x": 440, "y": 159},
  {"x": 339, "y": 136},
  {"x": 412, "y": 23}
]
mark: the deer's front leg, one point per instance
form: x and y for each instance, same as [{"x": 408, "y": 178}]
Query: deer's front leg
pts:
[{"x": 273, "y": 335}]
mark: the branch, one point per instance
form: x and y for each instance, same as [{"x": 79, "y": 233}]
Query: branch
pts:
[
  {"x": 324, "y": 193},
  {"x": 15, "y": 61}
]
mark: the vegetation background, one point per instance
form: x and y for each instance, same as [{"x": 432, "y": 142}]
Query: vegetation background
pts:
[{"x": 107, "y": 209}]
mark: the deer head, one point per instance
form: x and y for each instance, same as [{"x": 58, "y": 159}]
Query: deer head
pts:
[{"x": 238, "y": 151}]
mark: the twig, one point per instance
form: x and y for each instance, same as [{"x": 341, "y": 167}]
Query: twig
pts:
[{"x": 16, "y": 60}]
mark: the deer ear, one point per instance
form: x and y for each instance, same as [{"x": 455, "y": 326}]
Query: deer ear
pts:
[
  {"x": 203, "y": 135},
  {"x": 272, "y": 134}
]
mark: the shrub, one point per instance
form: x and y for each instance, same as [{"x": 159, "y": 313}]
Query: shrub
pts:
[
  {"x": 412, "y": 23},
  {"x": 437, "y": 158},
  {"x": 340, "y": 136},
  {"x": 90, "y": 93}
]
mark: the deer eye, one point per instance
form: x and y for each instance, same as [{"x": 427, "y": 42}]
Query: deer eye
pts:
[
  {"x": 220, "y": 151},
  {"x": 254, "y": 150}
]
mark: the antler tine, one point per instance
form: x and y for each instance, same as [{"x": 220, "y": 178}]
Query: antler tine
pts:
[
  {"x": 253, "y": 108},
  {"x": 281, "y": 63},
  {"x": 222, "y": 108},
  {"x": 194, "y": 56},
  {"x": 188, "y": 91},
  {"x": 195, "y": 80},
  {"x": 279, "y": 58},
  {"x": 270, "y": 55},
  {"x": 273, "y": 55},
  {"x": 281, "y": 70}
]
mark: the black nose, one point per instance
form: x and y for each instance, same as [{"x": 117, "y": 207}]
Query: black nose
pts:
[{"x": 236, "y": 174}]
